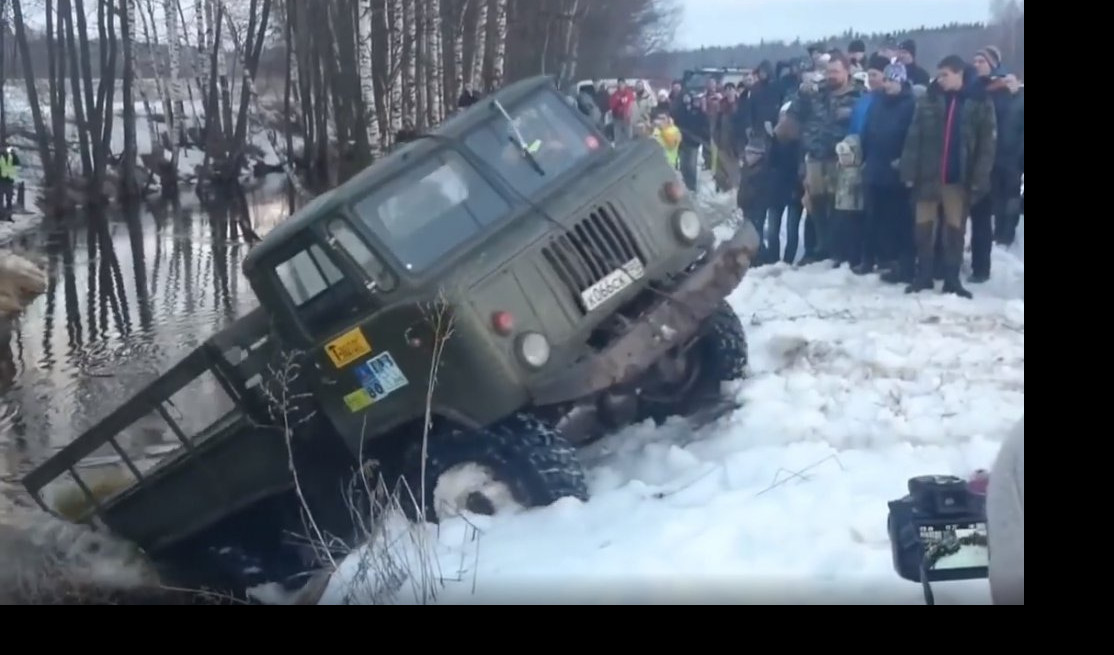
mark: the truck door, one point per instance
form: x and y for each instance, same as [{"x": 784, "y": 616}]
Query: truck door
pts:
[{"x": 336, "y": 285}]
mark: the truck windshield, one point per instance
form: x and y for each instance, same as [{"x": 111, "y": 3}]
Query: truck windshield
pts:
[
  {"x": 551, "y": 133},
  {"x": 431, "y": 209}
]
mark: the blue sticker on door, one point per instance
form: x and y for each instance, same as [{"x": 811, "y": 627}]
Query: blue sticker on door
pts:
[{"x": 381, "y": 376}]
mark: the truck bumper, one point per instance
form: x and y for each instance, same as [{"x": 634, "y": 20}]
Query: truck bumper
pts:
[{"x": 672, "y": 321}]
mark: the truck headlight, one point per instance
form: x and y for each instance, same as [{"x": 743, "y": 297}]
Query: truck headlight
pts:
[
  {"x": 534, "y": 349},
  {"x": 687, "y": 226}
]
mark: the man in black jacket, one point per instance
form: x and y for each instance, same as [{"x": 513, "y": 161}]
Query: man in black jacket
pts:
[{"x": 907, "y": 54}]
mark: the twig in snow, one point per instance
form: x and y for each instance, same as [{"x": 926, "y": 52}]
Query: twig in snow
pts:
[{"x": 798, "y": 475}]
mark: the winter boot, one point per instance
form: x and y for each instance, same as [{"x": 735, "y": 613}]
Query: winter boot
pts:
[
  {"x": 953, "y": 260},
  {"x": 939, "y": 269},
  {"x": 925, "y": 234},
  {"x": 901, "y": 274}
]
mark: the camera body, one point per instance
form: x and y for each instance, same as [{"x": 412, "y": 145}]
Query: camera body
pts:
[{"x": 938, "y": 530}]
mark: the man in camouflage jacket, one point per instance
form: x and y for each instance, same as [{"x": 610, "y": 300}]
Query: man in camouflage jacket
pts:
[
  {"x": 824, "y": 114},
  {"x": 946, "y": 162}
]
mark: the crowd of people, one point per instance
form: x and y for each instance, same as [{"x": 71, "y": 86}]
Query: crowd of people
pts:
[{"x": 884, "y": 163}]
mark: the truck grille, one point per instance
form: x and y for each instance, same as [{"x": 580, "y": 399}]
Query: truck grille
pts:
[{"x": 589, "y": 250}]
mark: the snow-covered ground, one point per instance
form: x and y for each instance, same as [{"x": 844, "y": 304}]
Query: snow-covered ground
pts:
[{"x": 856, "y": 387}]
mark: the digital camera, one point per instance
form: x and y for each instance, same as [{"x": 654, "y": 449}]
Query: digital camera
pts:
[{"x": 938, "y": 531}]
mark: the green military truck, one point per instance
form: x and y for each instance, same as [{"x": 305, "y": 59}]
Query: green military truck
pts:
[{"x": 472, "y": 307}]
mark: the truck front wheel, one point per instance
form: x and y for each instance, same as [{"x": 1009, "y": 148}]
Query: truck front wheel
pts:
[
  {"x": 519, "y": 463},
  {"x": 720, "y": 355},
  {"x": 724, "y": 347}
]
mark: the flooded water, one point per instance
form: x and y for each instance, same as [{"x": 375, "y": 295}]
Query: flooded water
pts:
[{"x": 124, "y": 302}]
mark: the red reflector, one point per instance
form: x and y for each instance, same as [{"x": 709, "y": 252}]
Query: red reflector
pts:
[
  {"x": 502, "y": 322},
  {"x": 674, "y": 191}
]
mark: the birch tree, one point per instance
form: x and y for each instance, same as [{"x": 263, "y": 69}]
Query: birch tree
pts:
[
  {"x": 497, "y": 39},
  {"x": 435, "y": 74},
  {"x": 479, "y": 28},
  {"x": 367, "y": 73},
  {"x": 174, "y": 109}
]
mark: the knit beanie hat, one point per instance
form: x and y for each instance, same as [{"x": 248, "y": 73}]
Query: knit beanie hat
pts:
[
  {"x": 992, "y": 55},
  {"x": 908, "y": 45},
  {"x": 877, "y": 63},
  {"x": 857, "y": 46},
  {"x": 895, "y": 72}
]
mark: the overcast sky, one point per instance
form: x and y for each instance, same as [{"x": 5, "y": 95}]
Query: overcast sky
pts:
[{"x": 731, "y": 22}]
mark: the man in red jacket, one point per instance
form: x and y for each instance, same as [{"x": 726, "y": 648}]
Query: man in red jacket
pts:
[{"x": 622, "y": 106}]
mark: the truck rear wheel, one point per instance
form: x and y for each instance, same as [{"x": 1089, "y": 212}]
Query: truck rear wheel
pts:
[{"x": 519, "y": 463}]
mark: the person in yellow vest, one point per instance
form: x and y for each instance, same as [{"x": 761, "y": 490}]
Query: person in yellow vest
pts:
[
  {"x": 668, "y": 135},
  {"x": 9, "y": 165}
]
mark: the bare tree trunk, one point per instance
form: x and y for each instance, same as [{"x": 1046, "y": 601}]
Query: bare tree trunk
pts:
[
  {"x": 452, "y": 16},
  {"x": 366, "y": 70},
  {"x": 55, "y": 52},
  {"x": 434, "y": 72},
  {"x": 409, "y": 68},
  {"x": 475, "y": 75},
  {"x": 3, "y": 71},
  {"x": 151, "y": 39},
  {"x": 173, "y": 112},
  {"x": 106, "y": 91},
  {"x": 571, "y": 32},
  {"x": 129, "y": 184},
  {"x": 497, "y": 40},
  {"x": 397, "y": 30},
  {"x": 65, "y": 14}
]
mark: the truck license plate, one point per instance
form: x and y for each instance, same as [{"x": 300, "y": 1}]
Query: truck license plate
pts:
[{"x": 611, "y": 284}]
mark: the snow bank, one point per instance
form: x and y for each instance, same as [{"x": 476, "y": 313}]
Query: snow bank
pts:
[{"x": 856, "y": 388}]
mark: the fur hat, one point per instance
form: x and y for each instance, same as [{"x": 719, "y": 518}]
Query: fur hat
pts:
[
  {"x": 895, "y": 72},
  {"x": 992, "y": 55}
]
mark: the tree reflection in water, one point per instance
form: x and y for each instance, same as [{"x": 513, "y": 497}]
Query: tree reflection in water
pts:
[{"x": 134, "y": 293}]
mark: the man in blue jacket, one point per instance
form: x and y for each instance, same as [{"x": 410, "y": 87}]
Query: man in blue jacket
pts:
[
  {"x": 888, "y": 236},
  {"x": 996, "y": 216}
]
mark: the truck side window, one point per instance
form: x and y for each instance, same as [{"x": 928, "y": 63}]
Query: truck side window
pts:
[
  {"x": 308, "y": 274},
  {"x": 325, "y": 299},
  {"x": 343, "y": 236}
]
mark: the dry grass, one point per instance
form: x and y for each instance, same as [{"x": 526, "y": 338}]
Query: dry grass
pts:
[{"x": 396, "y": 558}]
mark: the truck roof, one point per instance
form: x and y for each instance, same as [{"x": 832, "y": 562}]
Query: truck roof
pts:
[{"x": 386, "y": 167}]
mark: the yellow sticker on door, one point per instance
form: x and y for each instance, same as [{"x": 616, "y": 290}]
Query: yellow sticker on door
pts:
[
  {"x": 348, "y": 347},
  {"x": 357, "y": 400}
]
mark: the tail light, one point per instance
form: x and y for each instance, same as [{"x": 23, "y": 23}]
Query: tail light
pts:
[
  {"x": 673, "y": 191},
  {"x": 502, "y": 322}
]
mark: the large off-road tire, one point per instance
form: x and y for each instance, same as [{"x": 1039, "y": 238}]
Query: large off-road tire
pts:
[
  {"x": 520, "y": 463},
  {"x": 245, "y": 550},
  {"x": 720, "y": 355},
  {"x": 723, "y": 348}
]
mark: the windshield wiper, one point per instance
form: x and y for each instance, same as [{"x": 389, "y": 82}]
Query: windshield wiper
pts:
[{"x": 518, "y": 140}]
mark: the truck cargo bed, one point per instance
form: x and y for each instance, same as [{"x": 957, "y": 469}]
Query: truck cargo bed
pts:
[{"x": 235, "y": 431}]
